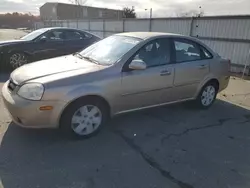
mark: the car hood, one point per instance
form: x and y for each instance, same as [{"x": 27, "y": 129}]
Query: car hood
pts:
[
  {"x": 52, "y": 66},
  {"x": 11, "y": 42}
]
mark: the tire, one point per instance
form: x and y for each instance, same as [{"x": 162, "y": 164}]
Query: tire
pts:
[
  {"x": 80, "y": 121},
  {"x": 207, "y": 95},
  {"x": 17, "y": 59}
]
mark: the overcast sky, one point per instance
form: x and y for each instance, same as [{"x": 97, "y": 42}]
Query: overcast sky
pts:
[{"x": 161, "y": 8}]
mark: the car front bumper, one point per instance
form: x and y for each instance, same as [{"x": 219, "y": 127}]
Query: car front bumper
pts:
[{"x": 27, "y": 113}]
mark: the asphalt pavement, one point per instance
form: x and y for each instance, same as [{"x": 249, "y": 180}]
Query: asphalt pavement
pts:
[
  {"x": 175, "y": 146},
  {"x": 169, "y": 147}
]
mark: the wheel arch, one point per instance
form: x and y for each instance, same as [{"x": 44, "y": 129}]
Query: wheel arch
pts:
[
  {"x": 213, "y": 80},
  {"x": 96, "y": 97}
]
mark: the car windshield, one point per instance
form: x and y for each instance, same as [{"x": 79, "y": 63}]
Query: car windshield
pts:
[
  {"x": 34, "y": 34},
  {"x": 110, "y": 50}
]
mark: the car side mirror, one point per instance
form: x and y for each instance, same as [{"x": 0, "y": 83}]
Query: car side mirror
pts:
[
  {"x": 137, "y": 64},
  {"x": 43, "y": 39}
]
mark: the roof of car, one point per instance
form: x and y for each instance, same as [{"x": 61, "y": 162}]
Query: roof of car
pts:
[
  {"x": 50, "y": 28},
  {"x": 68, "y": 28},
  {"x": 145, "y": 35}
]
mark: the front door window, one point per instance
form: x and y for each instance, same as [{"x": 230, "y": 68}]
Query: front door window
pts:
[{"x": 155, "y": 53}]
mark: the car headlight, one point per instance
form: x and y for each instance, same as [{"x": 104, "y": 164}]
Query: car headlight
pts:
[{"x": 31, "y": 91}]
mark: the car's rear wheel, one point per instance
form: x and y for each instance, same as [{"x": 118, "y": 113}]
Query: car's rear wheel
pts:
[
  {"x": 84, "y": 118},
  {"x": 207, "y": 95},
  {"x": 17, "y": 59}
]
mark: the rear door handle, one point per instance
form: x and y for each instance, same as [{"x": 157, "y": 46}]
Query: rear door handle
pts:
[
  {"x": 202, "y": 66},
  {"x": 165, "y": 73}
]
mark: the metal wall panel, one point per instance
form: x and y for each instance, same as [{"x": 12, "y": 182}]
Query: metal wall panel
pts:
[
  {"x": 106, "y": 34},
  {"x": 48, "y": 24},
  {"x": 116, "y": 26},
  {"x": 172, "y": 26},
  {"x": 65, "y": 24},
  {"x": 99, "y": 34},
  {"x": 96, "y": 25},
  {"x": 55, "y": 24},
  {"x": 214, "y": 29},
  {"x": 237, "y": 52},
  {"x": 222, "y": 28},
  {"x": 235, "y": 69},
  {"x": 72, "y": 24},
  {"x": 83, "y": 25},
  {"x": 38, "y": 25},
  {"x": 136, "y": 25},
  {"x": 60, "y": 24}
]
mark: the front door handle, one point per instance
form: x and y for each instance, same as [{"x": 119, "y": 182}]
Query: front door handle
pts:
[{"x": 165, "y": 73}]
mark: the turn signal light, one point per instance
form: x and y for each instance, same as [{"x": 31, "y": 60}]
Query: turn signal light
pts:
[{"x": 43, "y": 108}]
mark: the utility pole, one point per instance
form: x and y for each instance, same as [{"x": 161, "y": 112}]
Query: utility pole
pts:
[
  {"x": 150, "y": 12},
  {"x": 150, "y": 17},
  {"x": 200, "y": 12}
]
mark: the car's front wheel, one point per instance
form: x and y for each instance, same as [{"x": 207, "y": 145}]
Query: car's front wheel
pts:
[
  {"x": 207, "y": 95},
  {"x": 17, "y": 59},
  {"x": 84, "y": 118}
]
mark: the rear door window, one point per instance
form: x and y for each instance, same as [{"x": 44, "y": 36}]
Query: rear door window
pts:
[
  {"x": 73, "y": 35},
  {"x": 186, "y": 50}
]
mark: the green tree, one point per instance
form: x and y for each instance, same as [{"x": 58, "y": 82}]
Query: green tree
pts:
[{"x": 129, "y": 12}]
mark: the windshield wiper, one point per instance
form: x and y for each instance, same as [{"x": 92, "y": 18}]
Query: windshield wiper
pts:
[
  {"x": 90, "y": 59},
  {"x": 86, "y": 57},
  {"x": 78, "y": 55}
]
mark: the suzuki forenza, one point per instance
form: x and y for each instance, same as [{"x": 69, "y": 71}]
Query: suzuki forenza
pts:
[{"x": 121, "y": 73}]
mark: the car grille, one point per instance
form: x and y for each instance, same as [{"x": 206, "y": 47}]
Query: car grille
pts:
[{"x": 12, "y": 86}]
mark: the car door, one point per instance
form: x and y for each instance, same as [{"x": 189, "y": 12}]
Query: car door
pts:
[
  {"x": 151, "y": 86},
  {"x": 76, "y": 41},
  {"x": 49, "y": 45},
  {"x": 191, "y": 68}
]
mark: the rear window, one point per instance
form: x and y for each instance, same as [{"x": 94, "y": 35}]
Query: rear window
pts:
[{"x": 207, "y": 54}]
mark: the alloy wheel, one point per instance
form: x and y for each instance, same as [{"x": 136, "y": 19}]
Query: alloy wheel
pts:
[
  {"x": 86, "y": 120},
  {"x": 17, "y": 60},
  {"x": 208, "y": 95}
]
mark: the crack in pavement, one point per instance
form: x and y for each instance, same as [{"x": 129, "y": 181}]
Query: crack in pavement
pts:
[
  {"x": 154, "y": 164},
  {"x": 218, "y": 124},
  {"x": 151, "y": 161}
]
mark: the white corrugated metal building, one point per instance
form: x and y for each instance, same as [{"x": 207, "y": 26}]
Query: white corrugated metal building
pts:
[{"x": 227, "y": 35}]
